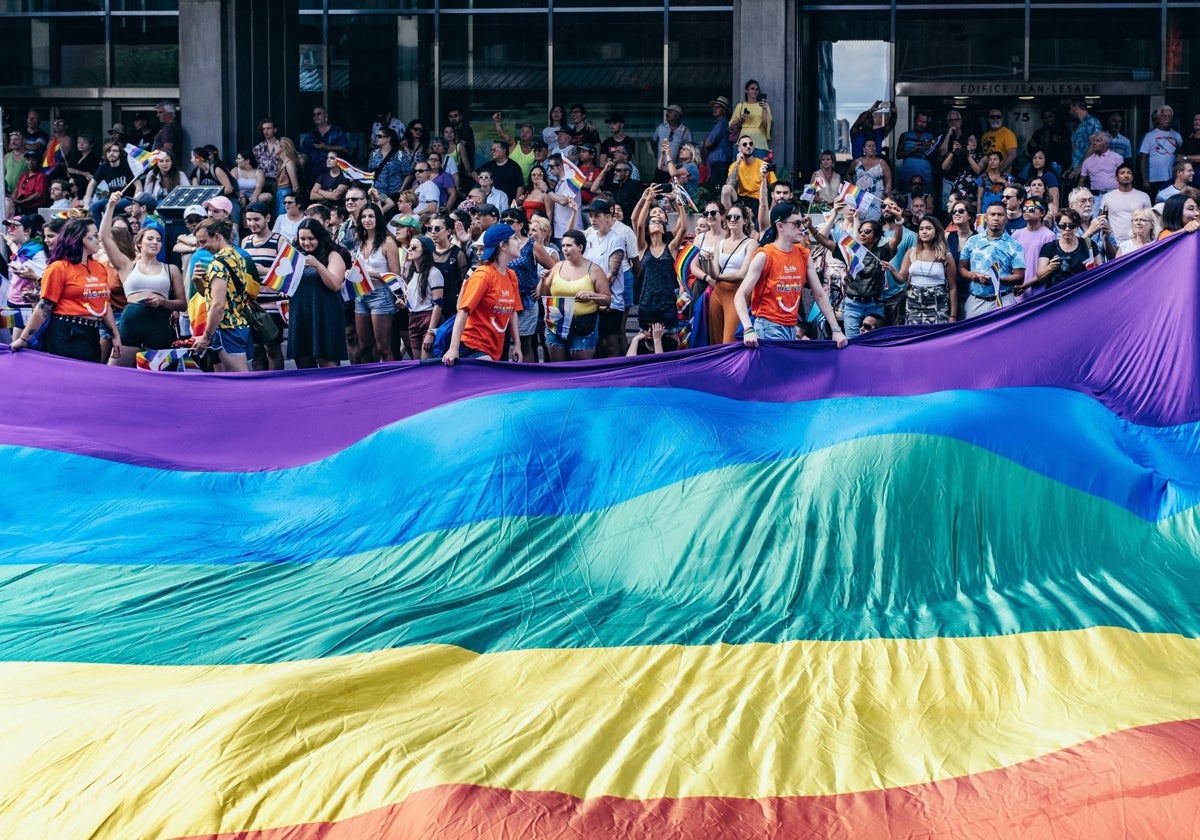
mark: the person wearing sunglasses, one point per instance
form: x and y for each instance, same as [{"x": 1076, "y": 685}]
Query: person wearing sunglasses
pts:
[
  {"x": 773, "y": 289},
  {"x": 999, "y": 138},
  {"x": 1032, "y": 237},
  {"x": 865, "y": 288},
  {"x": 384, "y": 162},
  {"x": 746, "y": 176}
]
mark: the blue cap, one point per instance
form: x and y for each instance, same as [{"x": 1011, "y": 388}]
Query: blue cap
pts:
[{"x": 493, "y": 237}]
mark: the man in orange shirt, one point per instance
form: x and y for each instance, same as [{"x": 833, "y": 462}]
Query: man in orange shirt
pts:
[
  {"x": 774, "y": 284},
  {"x": 488, "y": 303}
]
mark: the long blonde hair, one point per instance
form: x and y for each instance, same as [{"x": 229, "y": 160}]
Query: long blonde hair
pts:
[{"x": 287, "y": 150}]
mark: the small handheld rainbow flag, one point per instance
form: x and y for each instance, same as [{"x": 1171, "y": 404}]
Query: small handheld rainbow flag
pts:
[
  {"x": 284, "y": 274},
  {"x": 141, "y": 159},
  {"x": 573, "y": 174},
  {"x": 994, "y": 272},
  {"x": 854, "y": 252},
  {"x": 980, "y": 222},
  {"x": 393, "y": 282},
  {"x": 684, "y": 198},
  {"x": 174, "y": 359},
  {"x": 54, "y": 157},
  {"x": 560, "y": 312},
  {"x": 358, "y": 281},
  {"x": 10, "y": 319},
  {"x": 354, "y": 173},
  {"x": 859, "y": 198},
  {"x": 809, "y": 194}
]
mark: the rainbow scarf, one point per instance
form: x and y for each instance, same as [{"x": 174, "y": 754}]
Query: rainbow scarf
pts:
[{"x": 941, "y": 583}]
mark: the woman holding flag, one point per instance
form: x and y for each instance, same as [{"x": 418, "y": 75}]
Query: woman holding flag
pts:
[
  {"x": 316, "y": 323},
  {"x": 377, "y": 255},
  {"x": 153, "y": 290},
  {"x": 164, "y": 176},
  {"x": 575, "y": 289}
]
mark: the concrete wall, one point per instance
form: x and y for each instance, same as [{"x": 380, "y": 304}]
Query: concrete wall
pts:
[{"x": 764, "y": 50}]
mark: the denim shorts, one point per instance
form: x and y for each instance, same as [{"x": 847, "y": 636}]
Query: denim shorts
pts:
[
  {"x": 768, "y": 330},
  {"x": 234, "y": 341},
  {"x": 576, "y": 343},
  {"x": 379, "y": 302}
]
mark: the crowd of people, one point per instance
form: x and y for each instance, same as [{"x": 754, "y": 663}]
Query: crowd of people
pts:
[{"x": 544, "y": 250}]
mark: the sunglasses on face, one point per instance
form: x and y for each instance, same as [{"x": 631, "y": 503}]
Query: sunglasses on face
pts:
[
  {"x": 734, "y": 218},
  {"x": 436, "y": 228},
  {"x": 959, "y": 211},
  {"x": 426, "y": 169},
  {"x": 712, "y": 213},
  {"x": 866, "y": 231}
]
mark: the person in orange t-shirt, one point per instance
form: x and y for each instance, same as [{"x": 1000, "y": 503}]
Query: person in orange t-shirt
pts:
[
  {"x": 488, "y": 303},
  {"x": 74, "y": 298},
  {"x": 775, "y": 281}
]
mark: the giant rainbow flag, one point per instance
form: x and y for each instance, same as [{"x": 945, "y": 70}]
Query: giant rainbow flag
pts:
[{"x": 942, "y": 583}]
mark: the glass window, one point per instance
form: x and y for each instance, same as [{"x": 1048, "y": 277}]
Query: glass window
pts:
[
  {"x": 494, "y": 63},
  {"x": 15, "y": 6},
  {"x": 933, "y": 46},
  {"x": 375, "y": 67},
  {"x": 701, "y": 65},
  {"x": 146, "y": 50},
  {"x": 1121, "y": 44},
  {"x": 145, "y": 5},
  {"x": 54, "y": 51},
  {"x": 853, "y": 71},
  {"x": 609, "y": 70}
]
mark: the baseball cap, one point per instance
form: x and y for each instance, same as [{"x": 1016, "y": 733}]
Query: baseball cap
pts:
[
  {"x": 146, "y": 200},
  {"x": 396, "y": 222},
  {"x": 195, "y": 210},
  {"x": 493, "y": 237},
  {"x": 781, "y": 211},
  {"x": 32, "y": 221},
  {"x": 538, "y": 144},
  {"x": 674, "y": 108},
  {"x": 220, "y": 202},
  {"x": 117, "y": 128},
  {"x": 488, "y": 210},
  {"x": 562, "y": 129}
]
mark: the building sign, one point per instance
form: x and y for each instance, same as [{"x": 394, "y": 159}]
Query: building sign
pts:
[{"x": 1009, "y": 87}]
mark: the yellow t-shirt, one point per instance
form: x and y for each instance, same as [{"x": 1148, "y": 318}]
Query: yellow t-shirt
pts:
[{"x": 749, "y": 177}]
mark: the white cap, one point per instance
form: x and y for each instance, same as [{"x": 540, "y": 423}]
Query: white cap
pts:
[{"x": 195, "y": 210}]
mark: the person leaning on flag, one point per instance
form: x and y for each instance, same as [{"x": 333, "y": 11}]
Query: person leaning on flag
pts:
[
  {"x": 774, "y": 286},
  {"x": 488, "y": 301}
]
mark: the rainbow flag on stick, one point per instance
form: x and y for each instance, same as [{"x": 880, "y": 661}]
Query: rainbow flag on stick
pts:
[
  {"x": 10, "y": 319},
  {"x": 174, "y": 359},
  {"x": 809, "y": 194},
  {"x": 354, "y": 173},
  {"x": 573, "y": 174},
  {"x": 560, "y": 312},
  {"x": 859, "y": 198},
  {"x": 393, "y": 282},
  {"x": 284, "y": 274},
  {"x": 854, "y": 252},
  {"x": 358, "y": 281},
  {"x": 142, "y": 159},
  {"x": 994, "y": 273},
  {"x": 684, "y": 198},
  {"x": 54, "y": 157}
]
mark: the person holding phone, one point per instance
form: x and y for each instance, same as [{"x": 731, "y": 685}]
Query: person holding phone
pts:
[{"x": 752, "y": 117}]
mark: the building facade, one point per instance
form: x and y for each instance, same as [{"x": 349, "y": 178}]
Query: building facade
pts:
[{"x": 230, "y": 62}]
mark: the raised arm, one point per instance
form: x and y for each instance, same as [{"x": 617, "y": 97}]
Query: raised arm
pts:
[{"x": 118, "y": 260}]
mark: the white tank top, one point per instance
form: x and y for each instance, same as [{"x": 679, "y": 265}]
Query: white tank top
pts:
[
  {"x": 138, "y": 282},
  {"x": 927, "y": 273}
]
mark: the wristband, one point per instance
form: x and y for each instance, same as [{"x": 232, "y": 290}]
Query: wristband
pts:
[{"x": 748, "y": 331}]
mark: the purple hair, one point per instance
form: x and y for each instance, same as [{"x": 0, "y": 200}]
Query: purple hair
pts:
[{"x": 69, "y": 244}]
